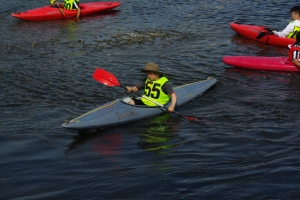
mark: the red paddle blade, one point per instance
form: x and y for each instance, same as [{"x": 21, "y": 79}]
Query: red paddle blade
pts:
[{"x": 105, "y": 77}]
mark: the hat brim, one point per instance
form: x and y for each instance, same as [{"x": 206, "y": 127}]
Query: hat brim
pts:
[{"x": 143, "y": 70}]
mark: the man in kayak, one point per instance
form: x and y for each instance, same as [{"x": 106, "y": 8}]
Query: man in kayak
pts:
[
  {"x": 293, "y": 27},
  {"x": 156, "y": 87},
  {"x": 68, "y": 4}
]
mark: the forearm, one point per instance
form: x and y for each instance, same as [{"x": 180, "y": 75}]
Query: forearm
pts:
[
  {"x": 174, "y": 99},
  {"x": 173, "y": 102},
  {"x": 78, "y": 12},
  {"x": 285, "y": 31}
]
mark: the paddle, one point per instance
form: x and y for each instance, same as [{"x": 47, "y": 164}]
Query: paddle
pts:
[
  {"x": 109, "y": 79},
  {"x": 61, "y": 11},
  {"x": 57, "y": 6}
]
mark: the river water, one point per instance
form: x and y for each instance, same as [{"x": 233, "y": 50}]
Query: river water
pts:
[{"x": 248, "y": 148}]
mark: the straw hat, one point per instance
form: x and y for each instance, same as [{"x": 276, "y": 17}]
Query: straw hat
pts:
[{"x": 151, "y": 67}]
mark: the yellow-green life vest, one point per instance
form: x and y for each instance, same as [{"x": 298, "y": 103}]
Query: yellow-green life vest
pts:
[
  {"x": 153, "y": 90},
  {"x": 69, "y": 4},
  {"x": 294, "y": 33}
]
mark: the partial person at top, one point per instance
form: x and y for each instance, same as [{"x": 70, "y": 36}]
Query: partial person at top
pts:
[
  {"x": 293, "y": 27},
  {"x": 69, "y": 4},
  {"x": 294, "y": 54}
]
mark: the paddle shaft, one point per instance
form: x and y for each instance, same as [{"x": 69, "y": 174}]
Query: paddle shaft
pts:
[{"x": 61, "y": 11}]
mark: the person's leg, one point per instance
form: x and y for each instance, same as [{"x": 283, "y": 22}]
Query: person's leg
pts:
[
  {"x": 133, "y": 101},
  {"x": 128, "y": 100}
]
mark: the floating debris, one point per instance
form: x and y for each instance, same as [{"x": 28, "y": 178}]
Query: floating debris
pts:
[{"x": 137, "y": 37}]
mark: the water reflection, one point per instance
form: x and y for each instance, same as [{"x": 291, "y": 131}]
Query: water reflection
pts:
[
  {"x": 255, "y": 75},
  {"x": 157, "y": 135},
  {"x": 265, "y": 94},
  {"x": 70, "y": 29},
  {"x": 109, "y": 145},
  {"x": 100, "y": 16},
  {"x": 58, "y": 30},
  {"x": 255, "y": 48},
  {"x": 160, "y": 135},
  {"x": 82, "y": 137}
]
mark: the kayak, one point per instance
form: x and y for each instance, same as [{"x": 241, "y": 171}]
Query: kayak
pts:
[
  {"x": 51, "y": 12},
  {"x": 119, "y": 112},
  {"x": 261, "y": 63},
  {"x": 264, "y": 33}
]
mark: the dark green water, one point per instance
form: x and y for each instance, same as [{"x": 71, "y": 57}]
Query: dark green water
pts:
[{"x": 249, "y": 149}]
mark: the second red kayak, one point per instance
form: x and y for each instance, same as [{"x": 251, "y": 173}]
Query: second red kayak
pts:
[
  {"x": 51, "y": 12},
  {"x": 261, "y": 63},
  {"x": 252, "y": 31}
]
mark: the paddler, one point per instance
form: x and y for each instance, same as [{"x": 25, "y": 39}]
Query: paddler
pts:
[
  {"x": 156, "y": 88},
  {"x": 69, "y": 4},
  {"x": 293, "y": 27}
]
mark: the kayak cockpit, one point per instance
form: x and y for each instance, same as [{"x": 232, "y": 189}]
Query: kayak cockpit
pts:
[{"x": 127, "y": 100}]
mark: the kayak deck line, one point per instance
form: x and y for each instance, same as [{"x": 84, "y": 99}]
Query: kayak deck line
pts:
[
  {"x": 94, "y": 110},
  {"x": 121, "y": 116},
  {"x": 177, "y": 87}
]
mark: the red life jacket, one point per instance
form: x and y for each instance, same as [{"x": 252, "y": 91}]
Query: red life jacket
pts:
[{"x": 293, "y": 48}]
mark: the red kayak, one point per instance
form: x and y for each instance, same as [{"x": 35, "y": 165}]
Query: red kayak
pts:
[
  {"x": 53, "y": 12},
  {"x": 261, "y": 34},
  {"x": 261, "y": 63}
]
